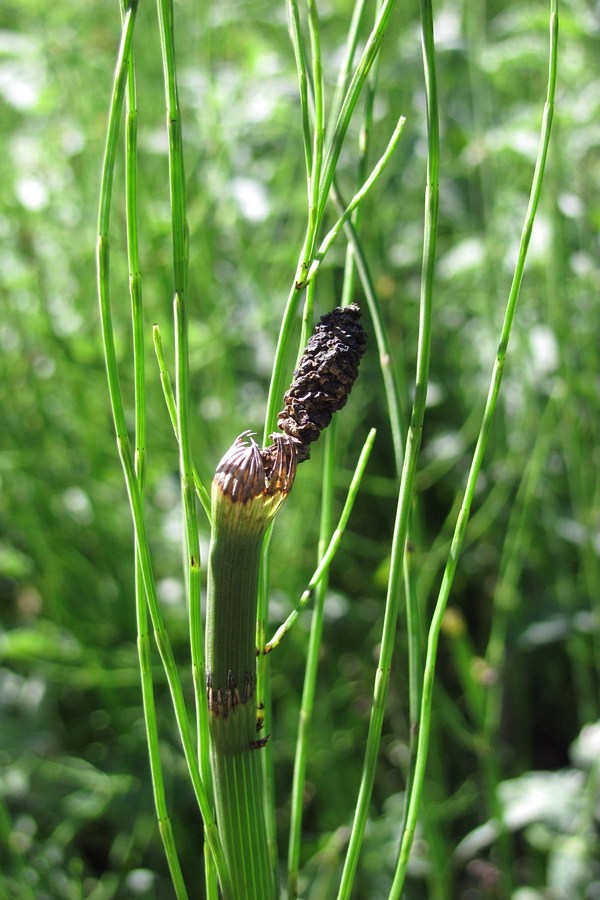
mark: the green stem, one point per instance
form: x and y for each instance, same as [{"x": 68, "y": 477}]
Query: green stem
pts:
[
  {"x": 182, "y": 389},
  {"x": 124, "y": 445},
  {"x": 335, "y": 139},
  {"x": 165, "y": 380},
  {"x": 143, "y": 641},
  {"x": 486, "y": 424},
  {"x": 345, "y": 71},
  {"x": 310, "y": 676},
  {"x": 247, "y": 490},
  {"x": 319, "y": 126},
  {"x": 356, "y": 200},
  {"x": 393, "y": 393},
  {"x": 233, "y": 570},
  {"x": 413, "y": 442},
  {"x": 298, "y": 45},
  {"x": 331, "y": 548}
]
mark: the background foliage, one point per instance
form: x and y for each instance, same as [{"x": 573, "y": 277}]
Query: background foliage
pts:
[{"x": 522, "y": 634}]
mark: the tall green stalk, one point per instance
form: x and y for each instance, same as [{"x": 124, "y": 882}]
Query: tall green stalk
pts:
[
  {"x": 319, "y": 184},
  {"x": 125, "y": 450},
  {"x": 144, "y": 654},
  {"x": 310, "y": 679},
  {"x": 413, "y": 442},
  {"x": 328, "y": 541},
  {"x": 182, "y": 391},
  {"x": 486, "y": 424},
  {"x": 181, "y": 316}
]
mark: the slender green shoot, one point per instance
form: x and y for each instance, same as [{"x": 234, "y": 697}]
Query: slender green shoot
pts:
[
  {"x": 354, "y": 251},
  {"x": 285, "y": 334},
  {"x": 319, "y": 117},
  {"x": 307, "y": 319},
  {"x": 363, "y": 148},
  {"x": 356, "y": 200},
  {"x": 334, "y": 542},
  {"x": 309, "y": 686},
  {"x": 320, "y": 586},
  {"x": 345, "y": 71},
  {"x": 165, "y": 380},
  {"x": 486, "y": 424},
  {"x": 182, "y": 391},
  {"x": 298, "y": 45},
  {"x": 144, "y": 654},
  {"x": 413, "y": 442},
  {"x": 124, "y": 445},
  {"x": 356, "y": 261},
  {"x": 384, "y": 348},
  {"x": 337, "y": 132}
]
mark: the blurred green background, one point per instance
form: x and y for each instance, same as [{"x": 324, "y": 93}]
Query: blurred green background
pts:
[{"x": 522, "y": 634}]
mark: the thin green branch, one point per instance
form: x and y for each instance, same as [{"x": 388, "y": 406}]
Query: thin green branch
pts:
[
  {"x": 328, "y": 545},
  {"x": 344, "y": 73},
  {"x": 363, "y": 153},
  {"x": 316, "y": 212},
  {"x": 335, "y": 139},
  {"x": 413, "y": 442},
  {"x": 311, "y": 669},
  {"x": 386, "y": 360},
  {"x": 124, "y": 445},
  {"x": 486, "y": 424},
  {"x": 334, "y": 542},
  {"x": 395, "y": 413},
  {"x": 182, "y": 386},
  {"x": 356, "y": 200},
  {"x": 144, "y": 655},
  {"x": 298, "y": 45},
  {"x": 319, "y": 122},
  {"x": 165, "y": 380}
]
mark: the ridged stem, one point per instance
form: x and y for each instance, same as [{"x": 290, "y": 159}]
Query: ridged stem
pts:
[
  {"x": 233, "y": 569},
  {"x": 476, "y": 463},
  {"x": 125, "y": 450},
  {"x": 248, "y": 489}
]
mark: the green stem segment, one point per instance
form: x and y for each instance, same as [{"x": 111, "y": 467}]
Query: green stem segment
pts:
[
  {"x": 248, "y": 489},
  {"x": 476, "y": 463}
]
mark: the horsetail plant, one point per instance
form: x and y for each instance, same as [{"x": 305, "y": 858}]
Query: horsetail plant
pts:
[
  {"x": 248, "y": 489},
  {"x": 225, "y": 769},
  {"x": 231, "y": 777}
]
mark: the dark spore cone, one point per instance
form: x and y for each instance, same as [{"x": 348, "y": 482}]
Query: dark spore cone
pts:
[{"x": 324, "y": 377}]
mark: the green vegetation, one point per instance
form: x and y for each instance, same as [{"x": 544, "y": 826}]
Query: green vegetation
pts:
[{"x": 429, "y": 590}]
